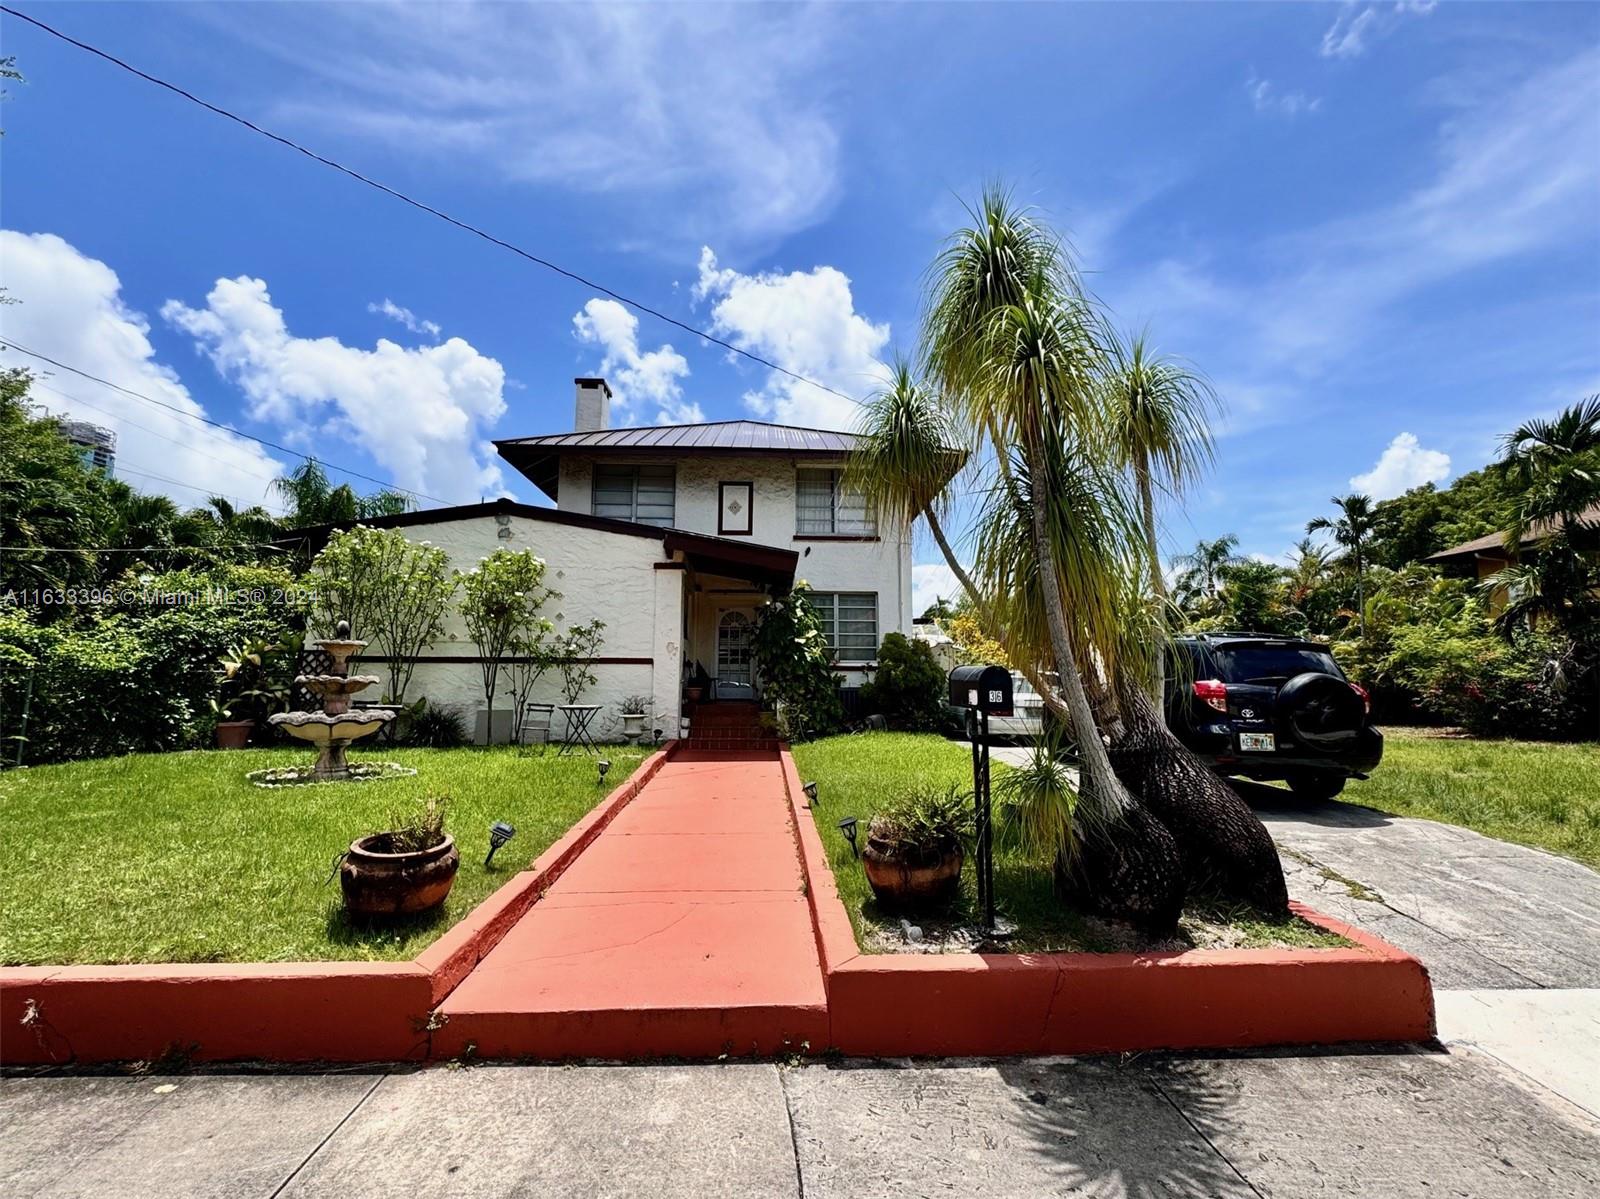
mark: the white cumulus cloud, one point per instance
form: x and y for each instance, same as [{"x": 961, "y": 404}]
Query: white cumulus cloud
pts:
[
  {"x": 639, "y": 381},
  {"x": 1403, "y": 465},
  {"x": 932, "y": 581},
  {"x": 406, "y": 317},
  {"x": 422, "y": 413},
  {"x": 805, "y": 322},
  {"x": 71, "y": 309}
]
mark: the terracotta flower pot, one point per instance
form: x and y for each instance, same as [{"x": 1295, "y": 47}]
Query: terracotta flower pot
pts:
[
  {"x": 694, "y": 694},
  {"x": 234, "y": 734},
  {"x": 905, "y": 885},
  {"x": 379, "y": 883}
]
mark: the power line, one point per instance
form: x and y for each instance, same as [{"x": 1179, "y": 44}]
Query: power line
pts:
[
  {"x": 117, "y": 416},
  {"x": 637, "y": 305},
  {"x": 6, "y": 342}
]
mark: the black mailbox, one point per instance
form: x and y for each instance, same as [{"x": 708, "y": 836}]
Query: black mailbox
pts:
[{"x": 981, "y": 689}]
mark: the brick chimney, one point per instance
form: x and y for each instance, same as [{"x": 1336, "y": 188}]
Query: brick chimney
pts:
[{"x": 592, "y": 412}]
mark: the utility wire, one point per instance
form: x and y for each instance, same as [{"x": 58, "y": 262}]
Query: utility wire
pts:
[
  {"x": 6, "y": 342},
  {"x": 123, "y": 420},
  {"x": 636, "y": 305}
]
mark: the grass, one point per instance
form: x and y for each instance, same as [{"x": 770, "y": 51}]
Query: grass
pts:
[
  {"x": 177, "y": 858},
  {"x": 858, "y": 775},
  {"x": 1545, "y": 794}
]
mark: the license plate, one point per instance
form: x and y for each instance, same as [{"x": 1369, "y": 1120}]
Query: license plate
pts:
[{"x": 1261, "y": 743}]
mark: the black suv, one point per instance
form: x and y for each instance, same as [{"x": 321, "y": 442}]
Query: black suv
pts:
[{"x": 1270, "y": 707}]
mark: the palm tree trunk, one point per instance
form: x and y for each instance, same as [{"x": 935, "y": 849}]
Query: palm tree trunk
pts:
[
  {"x": 986, "y": 619},
  {"x": 1108, "y": 789},
  {"x": 1158, "y": 584}
]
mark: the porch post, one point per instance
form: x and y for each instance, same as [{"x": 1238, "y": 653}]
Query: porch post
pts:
[{"x": 667, "y": 648}]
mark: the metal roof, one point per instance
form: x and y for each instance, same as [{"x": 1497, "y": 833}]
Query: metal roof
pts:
[{"x": 537, "y": 457}]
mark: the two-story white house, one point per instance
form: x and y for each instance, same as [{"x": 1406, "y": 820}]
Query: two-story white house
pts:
[{"x": 674, "y": 536}]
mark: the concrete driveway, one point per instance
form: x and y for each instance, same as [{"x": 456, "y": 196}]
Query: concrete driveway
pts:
[{"x": 1510, "y": 935}]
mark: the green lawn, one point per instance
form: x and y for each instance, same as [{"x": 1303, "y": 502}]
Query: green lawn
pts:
[
  {"x": 857, "y": 775},
  {"x": 177, "y": 858},
  {"x": 1532, "y": 792}
]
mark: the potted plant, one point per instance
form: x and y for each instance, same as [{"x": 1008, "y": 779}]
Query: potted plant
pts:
[
  {"x": 695, "y": 690},
  {"x": 408, "y": 868},
  {"x": 914, "y": 848},
  {"x": 634, "y": 710},
  {"x": 247, "y": 692}
]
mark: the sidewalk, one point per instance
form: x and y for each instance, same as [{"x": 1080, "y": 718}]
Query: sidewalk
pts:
[
  {"x": 682, "y": 931},
  {"x": 1378, "y": 1124}
]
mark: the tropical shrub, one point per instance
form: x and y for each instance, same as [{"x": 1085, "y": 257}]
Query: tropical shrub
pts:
[
  {"x": 501, "y": 599},
  {"x": 394, "y": 593},
  {"x": 435, "y": 726},
  {"x": 139, "y": 674},
  {"x": 791, "y": 655},
  {"x": 908, "y": 689}
]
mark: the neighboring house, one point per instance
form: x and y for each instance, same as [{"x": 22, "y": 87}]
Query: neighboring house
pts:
[
  {"x": 1484, "y": 556},
  {"x": 674, "y": 536}
]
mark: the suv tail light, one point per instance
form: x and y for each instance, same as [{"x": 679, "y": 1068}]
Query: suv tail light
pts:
[
  {"x": 1213, "y": 693},
  {"x": 1366, "y": 700}
]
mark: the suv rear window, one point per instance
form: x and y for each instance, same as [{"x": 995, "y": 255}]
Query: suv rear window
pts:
[{"x": 1271, "y": 663}]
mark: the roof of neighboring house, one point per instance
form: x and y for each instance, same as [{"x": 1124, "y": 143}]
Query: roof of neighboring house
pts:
[
  {"x": 1495, "y": 543},
  {"x": 539, "y": 457},
  {"x": 740, "y": 559}
]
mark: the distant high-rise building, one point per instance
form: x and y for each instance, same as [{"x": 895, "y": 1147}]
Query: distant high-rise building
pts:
[{"x": 99, "y": 445}]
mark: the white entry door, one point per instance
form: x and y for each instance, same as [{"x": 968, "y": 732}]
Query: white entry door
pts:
[{"x": 735, "y": 627}]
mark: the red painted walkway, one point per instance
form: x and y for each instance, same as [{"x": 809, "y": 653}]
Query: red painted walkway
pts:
[{"x": 683, "y": 930}]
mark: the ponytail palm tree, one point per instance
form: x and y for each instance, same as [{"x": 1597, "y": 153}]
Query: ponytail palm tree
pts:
[{"x": 1159, "y": 415}]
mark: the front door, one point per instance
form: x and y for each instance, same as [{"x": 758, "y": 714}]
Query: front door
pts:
[{"x": 734, "y": 629}]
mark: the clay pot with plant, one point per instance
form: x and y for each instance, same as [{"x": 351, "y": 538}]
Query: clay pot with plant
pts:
[
  {"x": 249, "y": 689},
  {"x": 915, "y": 849},
  {"x": 695, "y": 689},
  {"x": 408, "y": 868}
]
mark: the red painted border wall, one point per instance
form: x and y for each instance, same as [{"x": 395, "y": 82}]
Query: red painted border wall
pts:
[
  {"x": 285, "y": 1012},
  {"x": 999, "y": 1004}
]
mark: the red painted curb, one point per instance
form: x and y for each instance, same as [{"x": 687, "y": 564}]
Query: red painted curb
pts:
[
  {"x": 339, "y": 1011},
  {"x": 1007, "y": 1004},
  {"x": 836, "y": 939},
  {"x": 274, "y": 1011}
]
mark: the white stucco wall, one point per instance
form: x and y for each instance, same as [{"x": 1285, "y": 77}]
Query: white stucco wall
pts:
[
  {"x": 882, "y": 566},
  {"x": 601, "y": 575}
]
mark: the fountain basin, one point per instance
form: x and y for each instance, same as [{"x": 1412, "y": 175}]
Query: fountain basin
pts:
[
  {"x": 325, "y": 728},
  {"x": 324, "y": 685}
]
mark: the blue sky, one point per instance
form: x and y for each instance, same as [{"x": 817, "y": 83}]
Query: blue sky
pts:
[{"x": 1375, "y": 227}]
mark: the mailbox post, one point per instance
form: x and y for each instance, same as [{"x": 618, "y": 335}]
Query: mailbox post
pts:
[{"x": 983, "y": 691}]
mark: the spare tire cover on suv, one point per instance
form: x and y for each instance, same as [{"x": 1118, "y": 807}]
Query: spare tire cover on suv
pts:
[{"x": 1321, "y": 711}]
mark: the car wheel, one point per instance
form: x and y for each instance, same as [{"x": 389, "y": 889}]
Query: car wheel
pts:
[{"x": 1316, "y": 784}]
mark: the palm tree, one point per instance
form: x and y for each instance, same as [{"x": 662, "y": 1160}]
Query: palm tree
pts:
[
  {"x": 1159, "y": 414},
  {"x": 1009, "y": 339},
  {"x": 1203, "y": 567},
  {"x": 1557, "y": 465},
  {"x": 1306, "y": 571},
  {"x": 1351, "y": 530},
  {"x": 312, "y": 498}
]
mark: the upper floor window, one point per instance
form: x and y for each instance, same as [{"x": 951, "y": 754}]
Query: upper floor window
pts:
[
  {"x": 823, "y": 505},
  {"x": 639, "y": 493}
]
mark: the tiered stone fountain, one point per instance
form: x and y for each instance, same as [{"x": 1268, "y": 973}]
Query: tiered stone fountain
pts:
[{"x": 336, "y": 726}]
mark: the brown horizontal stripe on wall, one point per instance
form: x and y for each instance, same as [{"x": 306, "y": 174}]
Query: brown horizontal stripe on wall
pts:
[
  {"x": 671, "y": 565},
  {"x": 476, "y": 659},
  {"x": 835, "y": 537}
]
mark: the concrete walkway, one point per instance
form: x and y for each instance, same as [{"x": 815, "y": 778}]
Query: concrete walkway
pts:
[
  {"x": 682, "y": 930},
  {"x": 1374, "y": 1124}
]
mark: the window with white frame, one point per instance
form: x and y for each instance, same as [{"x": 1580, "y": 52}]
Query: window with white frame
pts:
[
  {"x": 849, "y": 623},
  {"x": 824, "y": 506},
  {"x": 645, "y": 494}
]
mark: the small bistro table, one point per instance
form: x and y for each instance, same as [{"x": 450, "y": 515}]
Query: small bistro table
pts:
[{"x": 579, "y": 717}]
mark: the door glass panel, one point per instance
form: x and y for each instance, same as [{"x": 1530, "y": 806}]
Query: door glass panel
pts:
[{"x": 733, "y": 647}]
